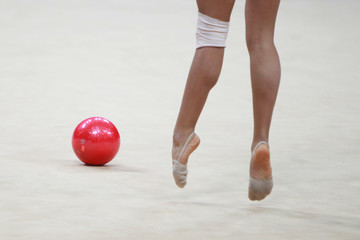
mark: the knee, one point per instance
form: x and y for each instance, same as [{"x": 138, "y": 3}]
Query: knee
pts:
[{"x": 259, "y": 44}]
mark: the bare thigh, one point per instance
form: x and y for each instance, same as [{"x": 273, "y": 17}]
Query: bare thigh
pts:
[
  {"x": 219, "y": 9},
  {"x": 260, "y": 16}
]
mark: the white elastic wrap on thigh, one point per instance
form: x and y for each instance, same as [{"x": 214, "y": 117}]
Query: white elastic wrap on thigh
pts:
[{"x": 211, "y": 32}]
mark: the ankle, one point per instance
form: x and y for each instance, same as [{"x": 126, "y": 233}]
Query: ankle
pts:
[
  {"x": 257, "y": 140},
  {"x": 180, "y": 136}
]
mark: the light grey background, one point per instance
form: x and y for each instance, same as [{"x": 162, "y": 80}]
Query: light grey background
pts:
[{"x": 64, "y": 61}]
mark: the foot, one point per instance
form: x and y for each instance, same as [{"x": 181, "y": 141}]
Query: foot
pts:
[
  {"x": 261, "y": 182},
  {"x": 180, "y": 155}
]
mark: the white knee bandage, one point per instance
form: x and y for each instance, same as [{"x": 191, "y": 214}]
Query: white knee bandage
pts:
[{"x": 211, "y": 32}]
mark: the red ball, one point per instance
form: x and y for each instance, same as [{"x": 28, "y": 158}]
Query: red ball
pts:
[{"x": 96, "y": 141}]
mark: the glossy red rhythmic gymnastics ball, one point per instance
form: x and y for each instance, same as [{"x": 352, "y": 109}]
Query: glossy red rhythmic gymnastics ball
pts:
[{"x": 96, "y": 141}]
